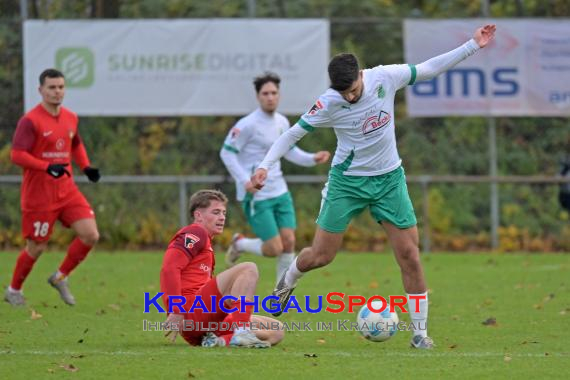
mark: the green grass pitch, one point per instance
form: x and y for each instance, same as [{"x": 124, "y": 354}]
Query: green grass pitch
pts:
[{"x": 102, "y": 337}]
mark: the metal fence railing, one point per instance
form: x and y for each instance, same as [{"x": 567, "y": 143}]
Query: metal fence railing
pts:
[{"x": 423, "y": 180}]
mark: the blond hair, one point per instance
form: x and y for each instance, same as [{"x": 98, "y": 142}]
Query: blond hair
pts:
[{"x": 203, "y": 199}]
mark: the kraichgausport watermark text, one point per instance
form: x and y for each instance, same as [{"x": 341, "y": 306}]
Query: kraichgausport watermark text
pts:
[
  {"x": 338, "y": 325},
  {"x": 337, "y": 302}
]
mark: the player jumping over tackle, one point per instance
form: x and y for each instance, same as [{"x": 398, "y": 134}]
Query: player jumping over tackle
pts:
[{"x": 366, "y": 170}]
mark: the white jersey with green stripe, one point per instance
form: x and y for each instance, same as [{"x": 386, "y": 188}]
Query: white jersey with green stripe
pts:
[
  {"x": 250, "y": 139},
  {"x": 365, "y": 130}
]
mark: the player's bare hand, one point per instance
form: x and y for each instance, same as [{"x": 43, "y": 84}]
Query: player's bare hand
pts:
[
  {"x": 485, "y": 34},
  {"x": 173, "y": 325},
  {"x": 250, "y": 188},
  {"x": 258, "y": 178},
  {"x": 322, "y": 157}
]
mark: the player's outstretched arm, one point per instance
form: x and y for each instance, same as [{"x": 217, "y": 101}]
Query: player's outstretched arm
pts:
[
  {"x": 299, "y": 157},
  {"x": 279, "y": 148},
  {"x": 437, "y": 65}
]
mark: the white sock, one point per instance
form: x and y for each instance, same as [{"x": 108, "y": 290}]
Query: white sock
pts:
[
  {"x": 250, "y": 245},
  {"x": 240, "y": 330},
  {"x": 419, "y": 319},
  {"x": 283, "y": 262},
  {"x": 293, "y": 274},
  {"x": 12, "y": 290}
]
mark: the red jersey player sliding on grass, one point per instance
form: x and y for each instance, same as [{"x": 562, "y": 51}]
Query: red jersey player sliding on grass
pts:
[
  {"x": 188, "y": 271},
  {"x": 45, "y": 141}
]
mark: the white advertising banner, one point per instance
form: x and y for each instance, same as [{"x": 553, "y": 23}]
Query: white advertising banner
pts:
[
  {"x": 177, "y": 67},
  {"x": 524, "y": 72}
]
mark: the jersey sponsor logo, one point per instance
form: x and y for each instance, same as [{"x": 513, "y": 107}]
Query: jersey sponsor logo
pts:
[
  {"x": 381, "y": 92},
  {"x": 55, "y": 154},
  {"x": 46, "y": 134},
  {"x": 190, "y": 240},
  {"x": 374, "y": 123},
  {"x": 205, "y": 268},
  {"x": 60, "y": 144},
  {"x": 315, "y": 108}
]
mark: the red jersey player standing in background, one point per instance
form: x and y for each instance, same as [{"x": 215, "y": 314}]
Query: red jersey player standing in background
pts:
[
  {"x": 45, "y": 141},
  {"x": 187, "y": 270}
]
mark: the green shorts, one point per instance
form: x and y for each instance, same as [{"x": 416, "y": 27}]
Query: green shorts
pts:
[
  {"x": 268, "y": 216},
  {"x": 344, "y": 197}
]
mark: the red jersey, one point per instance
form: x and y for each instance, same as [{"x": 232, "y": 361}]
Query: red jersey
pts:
[
  {"x": 188, "y": 263},
  {"x": 42, "y": 139}
]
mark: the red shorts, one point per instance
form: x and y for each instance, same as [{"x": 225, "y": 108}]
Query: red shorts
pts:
[
  {"x": 193, "y": 337},
  {"x": 38, "y": 225}
]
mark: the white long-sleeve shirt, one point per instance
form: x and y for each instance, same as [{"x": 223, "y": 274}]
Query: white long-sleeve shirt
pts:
[{"x": 249, "y": 141}]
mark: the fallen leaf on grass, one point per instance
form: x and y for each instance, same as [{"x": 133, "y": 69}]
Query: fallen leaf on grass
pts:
[
  {"x": 69, "y": 367},
  {"x": 321, "y": 341},
  {"x": 508, "y": 358},
  {"x": 114, "y": 307},
  {"x": 310, "y": 355},
  {"x": 490, "y": 322},
  {"x": 35, "y": 315},
  {"x": 373, "y": 285},
  {"x": 453, "y": 346}
]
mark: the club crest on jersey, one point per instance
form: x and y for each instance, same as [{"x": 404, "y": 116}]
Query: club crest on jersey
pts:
[
  {"x": 381, "y": 92},
  {"x": 315, "y": 108},
  {"x": 374, "y": 123},
  {"x": 60, "y": 144},
  {"x": 190, "y": 240}
]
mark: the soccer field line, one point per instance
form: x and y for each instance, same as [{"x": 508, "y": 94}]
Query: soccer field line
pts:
[{"x": 221, "y": 352}]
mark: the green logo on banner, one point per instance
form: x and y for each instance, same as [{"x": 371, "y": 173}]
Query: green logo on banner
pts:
[{"x": 77, "y": 64}]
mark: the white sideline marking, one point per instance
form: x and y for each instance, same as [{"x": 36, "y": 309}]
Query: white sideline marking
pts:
[{"x": 217, "y": 352}]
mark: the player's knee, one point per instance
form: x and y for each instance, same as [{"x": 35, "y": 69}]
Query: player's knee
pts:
[
  {"x": 273, "y": 247},
  {"x": 249, "y": 270},
  {"x": 35, "y": 249},
  {"x": 410, "y": 254},
  {"x": 90, "y": 238}
]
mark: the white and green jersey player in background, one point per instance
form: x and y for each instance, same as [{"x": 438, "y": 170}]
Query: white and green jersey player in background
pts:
[
  {"x": 270, "y": 211},
  {"x": 366, "y": 169}
]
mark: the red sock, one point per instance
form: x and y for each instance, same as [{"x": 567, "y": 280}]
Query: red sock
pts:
[
  {"x": 242, "y": 318},
  {"x": 227, "y": 338},
  {"x": 75, "y": 254},
  {"x": 24, "y": 266}
]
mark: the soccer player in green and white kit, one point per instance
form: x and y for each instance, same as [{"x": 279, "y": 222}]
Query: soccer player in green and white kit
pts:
[
  {"x": 366, "y": 169},
  {"x": 270, "y": 212}
]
